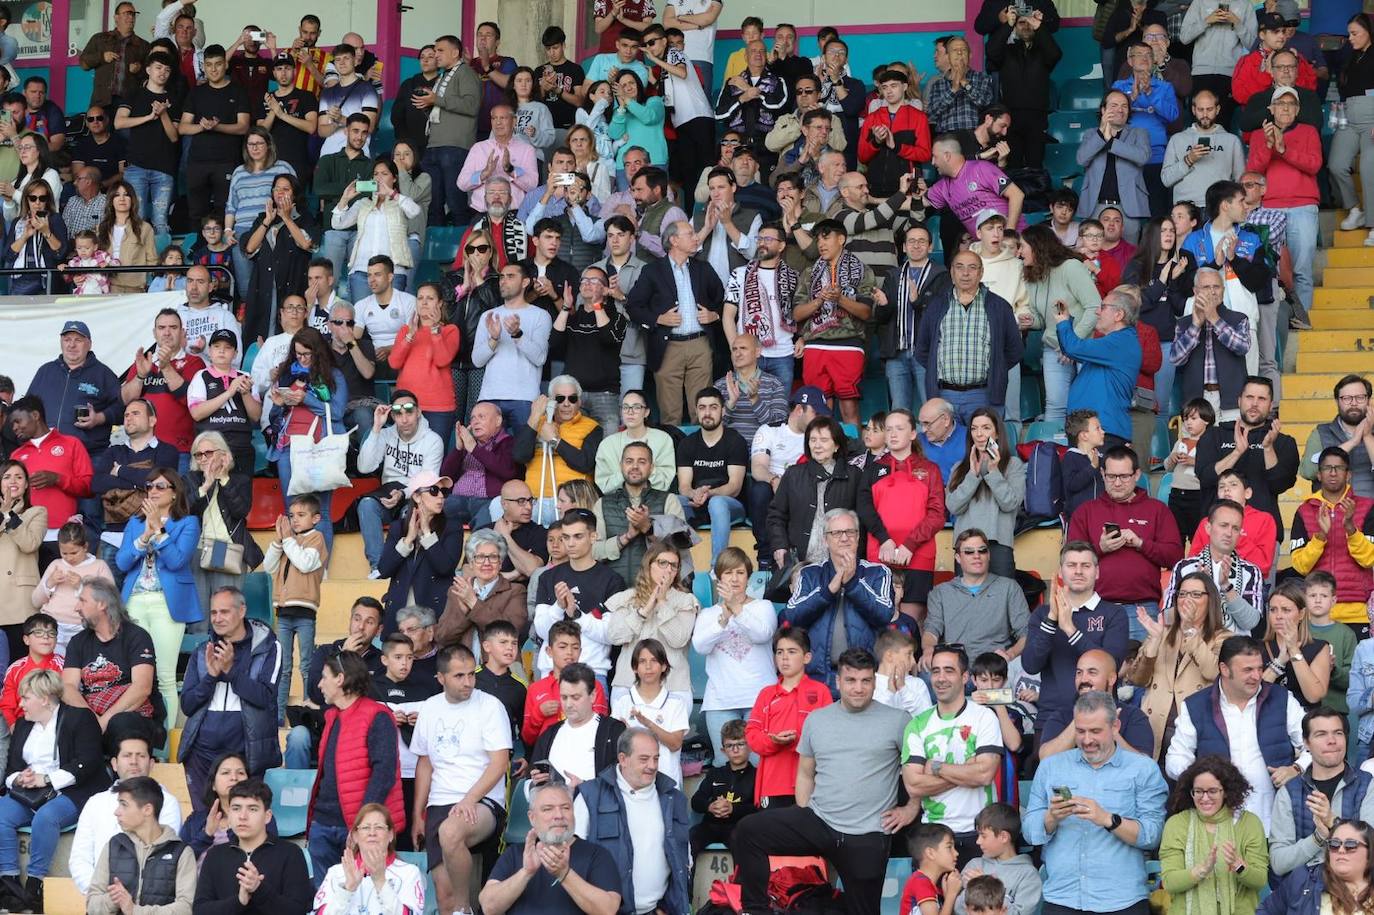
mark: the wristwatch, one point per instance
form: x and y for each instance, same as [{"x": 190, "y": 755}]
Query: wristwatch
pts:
[
  {"x": 1115, "y": 823},
  {"x": 936, "y": 765}
]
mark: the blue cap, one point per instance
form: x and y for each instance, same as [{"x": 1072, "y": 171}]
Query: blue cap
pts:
[
  {"x": 76, "y": 327},
  {"x": 811, "y": 396}
]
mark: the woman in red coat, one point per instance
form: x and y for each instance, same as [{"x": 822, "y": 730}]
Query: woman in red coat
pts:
[{"x": 902, "y": 506}]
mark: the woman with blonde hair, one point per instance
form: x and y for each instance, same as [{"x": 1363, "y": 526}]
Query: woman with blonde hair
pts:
[
  {"x": 221, "y": 497},
  {"x": 577, "y": 494},
  {"x": 1178, "y": 658},
  {"x": 1293, "y": 658},
  {"x": 657, "y": 606},
  {"x": 475, "y": 292}
]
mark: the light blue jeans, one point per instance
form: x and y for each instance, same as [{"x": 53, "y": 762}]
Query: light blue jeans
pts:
[
  {"x": 631, "y": 378},
  {"x": 335, "y": 245},
  {"x": 1058, "y": 377},
  {"x": 243, "y": 273},
  {"x": 906, "y": 381},
  {"x": 724, "y": 511},
  {"x": 1302, "y": 244},
  {"x": 154, "y": 190},
  {"x": 46, "y": 825},
  {"x": 781, "y": 368},
  {"x": 291, "y": 631},
  {"x": 298, "y": 755},
  {"x": 717, "y": 719},
  {"x": 965, "y": 402}
]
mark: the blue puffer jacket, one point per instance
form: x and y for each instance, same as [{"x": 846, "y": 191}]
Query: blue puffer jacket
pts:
[
  {"x": 608, "y": 827},
  {"x": 173, "y": 555},
  {"x": 1300, "y": 893},
  {"x": 253, "y": 679}
]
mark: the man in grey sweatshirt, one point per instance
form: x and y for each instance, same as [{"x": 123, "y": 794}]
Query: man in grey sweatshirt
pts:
[
  {"x": 401, "y": 450},
  {"x": 1221, "y": 33},
  {"x": 979, "y": 610},
  {"x": 1203, "y": 154}
]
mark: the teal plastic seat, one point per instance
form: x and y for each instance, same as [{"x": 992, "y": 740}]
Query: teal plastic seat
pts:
[
  {"x": 162, "y": 242},
  {"x": 898, "y": 872},
  {"x": 291, "y": 790},
  {"x": 441, "y": 243},
  {"x": 1166, "y": 485},
  {"x": 421, "y": 860},
  {"x": 257, "y": 591},
  {"x": 518, "y": 820},
  {"x": 1045, "y": 432}
]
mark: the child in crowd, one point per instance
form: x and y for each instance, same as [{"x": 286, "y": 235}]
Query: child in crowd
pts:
[
  {"x": 169, "y": 280},
  {"x": 984, "y": 895},
  {"x": 542, "y": 706},
  {"x": 875, "y": 440},
  {"x": 726, "y": 793},
  {"x": 775, "y": 722},
  {"x": 296, "y": 585},
  {"x": 403, "y": 693},
  {"x": 999, "y": 832},
  {"x": 55, "y": 594},
  {"x": 1081, "y": 467},
  {"x": 1003, "y": 272},
  {"x": 1320, "y": 590},
  {"x": 214, "y": 249},
  {"x": 1106, "y": 273},
  {"x": 87, "y": 253},
  {"x": 934, "y": 885},
  {"x": 499, "y": 674},
  {"x": 558, "y": 554},
  {"x": 896, "y": 685},
  {"x": 990, "y": 671},
  {"x": 1258, "y": 541},
  {"x": 1063, "y": 204},
  {"x": 648, "y": 704},
  {"x": 1185, "y": 496},
  {"x": 40, "y": 636}
]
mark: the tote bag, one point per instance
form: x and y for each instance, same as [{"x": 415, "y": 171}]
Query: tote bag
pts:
[{"x": 319, "y": 466}]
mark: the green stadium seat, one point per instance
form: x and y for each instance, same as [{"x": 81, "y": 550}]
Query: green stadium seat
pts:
[
  {"x": 1061, "y": 161},
  {"x": 257, "y": 591},
  {"x": 162, "y": 242},
  {"x": 441, "y": 243},
  {"x": 291, "y": 790},
  {"x": 1166, "y": 485},
  {"x": 1081, "y": 94},
  {"x": 1067, "y": 126},
  {"x": 518, "y": 820},
  {"x": 421, "y": 861},
  {"x": 1045, "y": 432}
]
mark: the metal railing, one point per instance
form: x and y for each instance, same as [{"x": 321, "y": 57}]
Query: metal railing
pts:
[{"x": 48, "y": 272}]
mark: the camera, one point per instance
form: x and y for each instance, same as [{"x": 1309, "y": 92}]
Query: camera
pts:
[{"x": 258, "y": 36}]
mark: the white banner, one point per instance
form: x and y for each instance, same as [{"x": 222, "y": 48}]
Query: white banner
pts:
[{"x": 119, "y": 324}]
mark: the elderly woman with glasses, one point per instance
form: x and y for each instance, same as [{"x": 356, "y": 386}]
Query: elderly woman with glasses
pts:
[
  {"x": 159, "y": 550},
  {"x": 422, "y": 549},
  {"x": 221, "y": 497},
  {"x": 558, "y": 445},
  {"x": 36, "y": 237},
  {"x": 480, "y": 594},
  {"x": 370, "y": 878},
  {"x": 1213, "y": 856},
  {"x": 1342, "y": 885},
  {"x": 1178, "y": 658}
]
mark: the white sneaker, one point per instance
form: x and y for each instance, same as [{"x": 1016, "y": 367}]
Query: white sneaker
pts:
[
  {"x": 1369, "y": 239},
  {"x": 373, "y": 575},
  {"x": 1353, "y": 220}
]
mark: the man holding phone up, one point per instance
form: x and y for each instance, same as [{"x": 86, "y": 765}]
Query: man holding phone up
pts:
[{"x": 1203, "y": 154}]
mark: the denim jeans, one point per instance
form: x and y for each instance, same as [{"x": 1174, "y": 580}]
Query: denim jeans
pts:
[
  {"x": 715, "y": 720},
  {"x": 604, "y": 407},
  {"x": 1151, "y": 607},
  {"x": 965, "y": 402},
  {"x": 298, "y": 753},
  {"x": 781, "y": 368},
  {"x": 335, "y": 246},
  {"x": 243, "y": 274},
  {"x": 441, "y": 423},
  {"x": 357, "y": 286},
  {"x": 46, "y": 825},
  {"x": 291, "y": 631},
  {"x": 906, "y": 381},
  {"x": 325, "y": 845},
  {"x": 723, "y": 511},
  {"x": 372, "y": 515},
  {"x": 154, "y": 190},
  {"x": 1302, "y": 244},
  {"x": 326, "y": 525},
  {"x": 631, "y": 378},
  {"x": 1058, "y": 377},
  {"x": 107, "y": 552},
  {"x": 473, "y": 511},
  {"x": 443, "y": 165},
  {"x": 514, "y": 413},
  {"x": 760, "y": 496}
]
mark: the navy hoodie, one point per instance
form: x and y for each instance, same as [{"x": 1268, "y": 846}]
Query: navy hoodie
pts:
[{"x": 62, "y": 390}]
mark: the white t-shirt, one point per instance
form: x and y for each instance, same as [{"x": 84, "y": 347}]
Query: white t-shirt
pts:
[
  {"x": 385, "y": 322},
  {"x": 666, "y": 711},
  {"x": 573, "y": 751},
  {"x": 739, "y": 657},
  {"x": 783, "y": 446},
  {"x": 459, "y": 738},
  {"x": 689, "y": 98},
  {"x": 698, "y": 43},
  {"x": 954, "y": 740},
  {"x": 200, "y": 323},
  {"x": 781, "y": 347}
]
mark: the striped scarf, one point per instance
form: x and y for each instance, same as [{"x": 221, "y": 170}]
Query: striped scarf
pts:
[
  {"x": 847, "y": 273},
  {"x": 756, "y": 320}
]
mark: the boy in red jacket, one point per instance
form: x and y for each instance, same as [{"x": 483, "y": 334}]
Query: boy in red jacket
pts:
[
  {"x": 776, "y": 720},
  {"x": 543, "y": 709},
  {"x": 894, "y": 137},
  {"x": 1255, "y": 73},
  {"x": 40, "y": 635}
]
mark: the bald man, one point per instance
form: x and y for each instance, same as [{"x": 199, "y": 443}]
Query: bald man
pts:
[{"x": 1096, "y": 671}]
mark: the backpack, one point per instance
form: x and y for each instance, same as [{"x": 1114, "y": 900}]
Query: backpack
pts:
[{"x": 1044, "y": 482}]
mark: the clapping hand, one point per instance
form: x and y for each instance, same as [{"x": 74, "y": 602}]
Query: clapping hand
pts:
[
  {"x": 119, "y": 894},
  {"x": 282, "y": 526},
  {"x": 249, "y": 878},
  {"x": 1154, "y": 629}
]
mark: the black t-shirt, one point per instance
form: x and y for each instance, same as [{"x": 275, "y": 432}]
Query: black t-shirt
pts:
[
  {"x": 105, "y": 665},
  {"x": 591, "y": 587},
  {"x": 544, "y": 896},
  {"x": 292, "y": 143},
  {"x": 345, "y": 363},
  {"x": 148, "y": 144},
  {"x": 1289, "y": 680},
  {"x": 1327, "y": 786},
  {"x": 104, "y": 156},
  {"x": 711, "y": 465},
  {"x": 570, "y": 76},
  {"x": 532, "y": 538},
  {"x": 227, "y": 104},
  {"x": 509, "y": 691}
]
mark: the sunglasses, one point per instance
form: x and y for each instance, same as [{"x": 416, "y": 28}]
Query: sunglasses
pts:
[
  {"x": 477, "y": 249},
  {"x": 974, "y": 551},
  {"x": 435, "y": 490},
  {"x": 95, "y": 118},
  {"x": 403, "y": 408},
  {"x": 202, "y": 455},
  {"x": 158, "y": 485},
  {"x": 565, "y": 398},
  {"x": 338, "y": 322},
  {"x": 36, "y": 198},
  {"x": 1345, "y": 844}
]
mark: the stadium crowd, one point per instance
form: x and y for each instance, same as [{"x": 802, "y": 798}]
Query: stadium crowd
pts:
[{"x": 662, "y": 293}]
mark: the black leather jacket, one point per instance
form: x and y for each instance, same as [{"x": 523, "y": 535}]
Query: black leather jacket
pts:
[{"x": 467, "y": 310}]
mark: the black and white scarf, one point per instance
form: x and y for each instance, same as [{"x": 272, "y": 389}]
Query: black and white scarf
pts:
[
  {"x": 756, "y": 321},
  {"x": 847, "y": 273},
  {"x": 907, "y": 318}
]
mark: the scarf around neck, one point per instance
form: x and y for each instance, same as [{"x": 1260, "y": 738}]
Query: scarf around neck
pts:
[
  {"x": 1215, "y": 895},
  {"x": 756, "y": 320},
  {"x": 847, "y": 273}
]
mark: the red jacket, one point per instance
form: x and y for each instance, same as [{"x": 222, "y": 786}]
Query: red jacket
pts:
[
  {"x": 542, "y": 691},
  {"x": 914, "y": 148},
  {"x": 1108, "y": 276},
  {"x": 1128, "y": 575},
  {"x": 903, "y": 501},
  {"x": 352, "y": 765},
  {"x": 9, "y": 696},
  {"x": 1151, "y": 356},
  {"x": 775, "y": 710},
  {"x": 65, "y": 456},
  {"x": 1290, "y": 176},
  {"x": 1248, "y": 78}
]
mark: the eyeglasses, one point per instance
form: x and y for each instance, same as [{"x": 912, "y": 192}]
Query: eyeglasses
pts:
[
  {"x": 1090, "y": 235},
  {"x": 158, "y": 485},
  {"x": 294, "y": 306},
  {"x": 565, "y": 398},
  {"x": 1251, "y": 184},
  {"x": 734, "y": 745},
  {"x": 634, "y": 407},
  {"x": 523, "y": 500},
  {"x": 303, "y": 355},
  {"x": 435, "y": 490},
  {"x": 339, "y": 322},
  {"x": 1346, "y": 845},
  {"x": 801, "y": 91},
  {"x": 1118, "y": 477},
  {"x": 729, "y": 142},
  {"x": 1352, "y": 399},
  {"x": 202, "y": 455},
  {"x": 1332, "y": 468},
  {"x": 374, "y": 827},
  {"x": 43, "y": 633},
  {"x": 666, "y": 563},
  {"x": 486, "y": 557},
  {"x": 1207, "y": 792},
  {"x": 1193, "y": 595},
  {"x": 974, "y": 551},
  {"x": 477, "y": 249},
  {"x": 403, "y": 408},
  {"x": 593, "y": 281},
  {"x": 847, "y": 533}
]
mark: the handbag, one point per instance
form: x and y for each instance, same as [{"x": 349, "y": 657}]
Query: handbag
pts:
[
  {"x": 319, "y": 466},
  {"x": 33, "y": 798},
  {"x": 221, "y": 556},
  {"x": 121, "y": 504},
  {"x": 1143, "y": 399}
]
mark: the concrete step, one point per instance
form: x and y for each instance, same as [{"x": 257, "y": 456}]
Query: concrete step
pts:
[
  {"x": 1342, "y": 297},
  {"x": 1318, "y": 385},
  {"x": 1352, "y": 239},
  {"x": 1332, "y": 341},
  {"x": 1346, "y": 277},
  {"x": 346, "y": 559},
  {"x": 1355, "y": 319},
  {"x": 1349, "y": 257},
  {"x": 1333, "y": 362},
  {"x": 1309, "y": 410}
]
